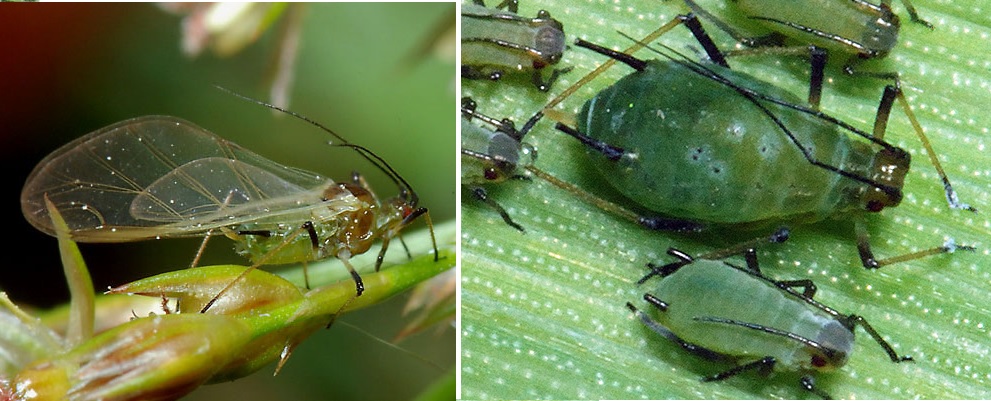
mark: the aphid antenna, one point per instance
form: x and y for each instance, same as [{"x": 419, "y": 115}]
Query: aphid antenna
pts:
[
  {"x": 769, "y": 330},
  {"x": 396, "y": 178},
  {"x": 753, "y": 97},
  {"x": 715, "y": 76},
  {"x": 373, "y": 158}
]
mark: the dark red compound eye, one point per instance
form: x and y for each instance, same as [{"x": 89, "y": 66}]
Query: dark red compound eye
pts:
[
  {"x": 491, "y": 174},
  {"x": 818, "y": 361}
]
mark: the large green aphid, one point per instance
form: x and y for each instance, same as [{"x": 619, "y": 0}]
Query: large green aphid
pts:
[
  {"x": 163, "y": 177},
  {"x": 496, "y": 42},
  {"x": 491, "y": 156},
  {"x": 721, "y": 311},
  {"x": 711, "y": 145}
]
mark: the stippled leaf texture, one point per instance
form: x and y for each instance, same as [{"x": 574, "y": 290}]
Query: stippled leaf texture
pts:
[{"x": 544, "y": 312}]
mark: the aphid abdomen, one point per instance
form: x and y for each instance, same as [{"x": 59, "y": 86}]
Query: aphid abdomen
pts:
[
  {"x": 853, "y": 27},
  {"x": 704, "y": 291},
  {"x": 281, "y": 243},
  {"x": 697, "y": 149}
]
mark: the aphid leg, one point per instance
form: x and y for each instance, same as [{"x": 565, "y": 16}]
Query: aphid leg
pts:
[
  {"x": 591, "y": 75},
  {"x": 512, "y": 6},
  {"x": 199, "y": 252},
  {"x": 613, "y": 153},
  {"x": 544, "y": 85},
  {"x": 315, "y": 242},
  {"x": 311, "y": 232},
  {"x": 850, "y": 68},
  {"x": 670, "y": 268},
  {"x": 664, "y": 332},
  {"x": 768, "y": 44},
  {"x": 768, "y": 40},
  {"x": 345, "y": 257},
  {"x": 778, "y": 236},
  {"x": 949, "y": 246},
  {"x": 692, "y": 23},
  {"x": 469, "y": 72},
  {"x": 809, "y": 384},
  {"x": 864, "y": 244},
  {"x": 855, "y": 320},
  {"x": 409, "y": 256},
  {"x": 745, "y": 248},
  {"x": 395, "y": 232},
  {"x": 209, "y": 233},
  {"x": 870, "y": 262},
  {"x": 818, "y": 57},
  {"x": 911, "y": 12},
  {"x": 763, "y": 365},
  {"x": 892, "y": 92},
  {"x": 650, "y": 222},
  {"x": 483, "y": 197}
]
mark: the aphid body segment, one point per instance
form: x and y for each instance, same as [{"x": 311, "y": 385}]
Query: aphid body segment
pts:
[
  {"x": 163, "y": 177},
  {"x": 490, "y": 156},
  {"x": 710, "y": 144},
  {"x": 721, "y": 311},
  {"x": 496, "y": 42}
]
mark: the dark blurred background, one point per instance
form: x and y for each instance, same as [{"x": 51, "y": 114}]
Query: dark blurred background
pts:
[{"x": 70, "y": 69}]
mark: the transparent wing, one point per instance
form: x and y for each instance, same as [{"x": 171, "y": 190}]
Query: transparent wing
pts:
[{"x": 159, "y": 176}]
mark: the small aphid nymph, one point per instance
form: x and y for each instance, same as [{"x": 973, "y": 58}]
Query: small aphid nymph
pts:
[
  {"x": 491, "y": 156},
  {"x": 721, "y": 311},
  {"x": 496, "y": 42}
]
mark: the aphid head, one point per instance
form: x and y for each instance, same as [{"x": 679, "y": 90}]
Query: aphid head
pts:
[
  {"x": 888, "y": 173},
  {"x": 362, "y": 226},
  {"x": 835, "y": 343},
  {"x": 549, "y": 40},
  {"x": 881, "y": 33}
]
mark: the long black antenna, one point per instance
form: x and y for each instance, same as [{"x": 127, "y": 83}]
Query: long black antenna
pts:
[{"x": 372, "y": 158}]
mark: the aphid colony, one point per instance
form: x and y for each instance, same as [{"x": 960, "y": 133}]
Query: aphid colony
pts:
[{"x": 677, "y": 137}]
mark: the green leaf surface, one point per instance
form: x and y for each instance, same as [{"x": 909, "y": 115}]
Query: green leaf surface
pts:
[{"x": 543, "y": 312}]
